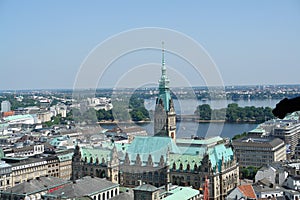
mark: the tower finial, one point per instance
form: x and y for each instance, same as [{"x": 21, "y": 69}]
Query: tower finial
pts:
[{"x": 163, "y": 54}]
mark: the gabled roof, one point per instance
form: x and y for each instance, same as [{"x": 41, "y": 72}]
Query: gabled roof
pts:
[
  {"x": 247, "y": 190},
  {"x": 146, "y": 187},
  {"x": 36, "y": 185},
  {"x": 85, "y": 186},
  {"x": 219, "y": 152},
  {"x": 156, "y": 146},
  {"x": 100, "y": 153}
]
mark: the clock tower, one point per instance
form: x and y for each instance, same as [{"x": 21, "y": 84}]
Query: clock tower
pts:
[{"x": 164, "y": 115}]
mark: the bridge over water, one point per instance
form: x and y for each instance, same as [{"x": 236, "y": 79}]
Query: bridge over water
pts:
[{"x": 187, "y": 118}]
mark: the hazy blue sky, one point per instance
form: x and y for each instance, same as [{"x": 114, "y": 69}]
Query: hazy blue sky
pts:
[{"x": 43, "y": 43}]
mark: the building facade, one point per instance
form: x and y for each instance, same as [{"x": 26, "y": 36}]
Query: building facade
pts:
[
  {"x": 102, "y": 163},
  {"x": 289, "y": 132},
  {"x": 5, "y": 175},
  {"x": 259, "y": 151},
  {"x": 5, "y": 106},
  {"x": 160, "y": 160},
  {"x": 164, "y": 115}
]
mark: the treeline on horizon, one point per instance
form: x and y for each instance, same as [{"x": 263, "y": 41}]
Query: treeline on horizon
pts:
[
  {"x": 234, "y": 113},
  {"x": 137, "y": 112},
  {"x": 121, "y": 111}
]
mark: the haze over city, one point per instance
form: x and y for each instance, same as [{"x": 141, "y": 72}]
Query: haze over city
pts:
[{"x": 44, "y": 43}]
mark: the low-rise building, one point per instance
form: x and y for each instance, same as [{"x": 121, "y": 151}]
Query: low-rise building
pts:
[
  {"x": 168, "y": 192},
  {"x": 30, "y": 150},
  {"x": 44, "y": 116},
  {"x": 266, "y": 190},
  {"x": 292, "y": 182},
  {"x": 275, "y": 173},
  {"x": 242, "y": 192},
  {"x": 24, "y": 168},
  {"x": 291, "y": 194},
  {"x": 93, "y": 187},
  {"x": 33, "y": 189},
  {"x": 5, "y": 175},
  {"x": 65, "y": 166},
  {"x": 253, "y": 151}
]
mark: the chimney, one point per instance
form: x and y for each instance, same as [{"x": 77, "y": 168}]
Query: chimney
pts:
[
  {"x": 167, "y": 187},
  {"x": 139, "y": 182}
]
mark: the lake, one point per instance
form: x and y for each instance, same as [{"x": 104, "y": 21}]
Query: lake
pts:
[
  {"x": 188, "y": 106},
  {"x": 188, "y": 129}
]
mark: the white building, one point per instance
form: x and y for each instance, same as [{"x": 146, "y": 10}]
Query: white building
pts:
[
  {"x": 5, "y": 106},
  {"x": 59, "y": 110},
  {"x": 19, "y": 119},
  {"x": 275, "y": 175}
]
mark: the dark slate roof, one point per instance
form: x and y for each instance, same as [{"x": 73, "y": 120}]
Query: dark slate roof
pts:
[
  {"x": 146, "y": 187},
  {"x": 270, "y": 142},
  {"x": 36, "y": 185},
  {"x": 84, "y": 187}
]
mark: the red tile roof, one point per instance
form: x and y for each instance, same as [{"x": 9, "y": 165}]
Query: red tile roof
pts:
[{"x": 248, "y": 191}]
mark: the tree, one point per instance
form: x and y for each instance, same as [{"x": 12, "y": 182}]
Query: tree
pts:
[{"x": 204, "y": 111}]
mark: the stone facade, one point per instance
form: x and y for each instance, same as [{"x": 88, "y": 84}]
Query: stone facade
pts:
[
  {"x": 100, "y": 163},
  {"x": 252, "y": 151}
]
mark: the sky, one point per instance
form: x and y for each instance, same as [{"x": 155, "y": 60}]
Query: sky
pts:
[{"x": 44, "y": 43}]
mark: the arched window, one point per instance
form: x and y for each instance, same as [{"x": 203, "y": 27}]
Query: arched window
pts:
[
  {"x": 102, "y": 175},
  {"x": 188, "y": 167},
  {"x": 195, "y": 167},
  {"x": 180, "y": 166}
]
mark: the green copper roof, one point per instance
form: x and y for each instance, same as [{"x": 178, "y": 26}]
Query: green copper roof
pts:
[
  {"x": 257, "y": 130},
  {"x": 15, "y": 117},
  {"x": 95, "y": 153},
  {"x": 156, "y": 146},
  {"x": 191, "y": 150},
  {"x": 185, "y": 160},
  {"x": 4, "y": 125},
  {"x": 165, "y": 96},
  {"x": 1, "y": 153},
  {"x": 182, "y": 193},
  {"x": 205, "y": 141},
  {"x": 217, "y": 152},
  {"x": 194, "y": 155},
  {"x": 65, "y": 157}
]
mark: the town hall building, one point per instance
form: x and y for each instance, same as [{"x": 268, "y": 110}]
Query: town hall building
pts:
[{"x": 162, "y": 159}]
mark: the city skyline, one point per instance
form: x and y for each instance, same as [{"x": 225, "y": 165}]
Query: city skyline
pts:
[{"x": 44, "y": 44}]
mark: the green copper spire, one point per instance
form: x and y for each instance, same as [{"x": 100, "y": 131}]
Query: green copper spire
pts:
[
  {"x": 164, "y": 92},
  {"x": 164, "y": 81}
]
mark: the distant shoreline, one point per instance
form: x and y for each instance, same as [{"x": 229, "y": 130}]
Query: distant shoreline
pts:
[{"x": 196, "y": 121}]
